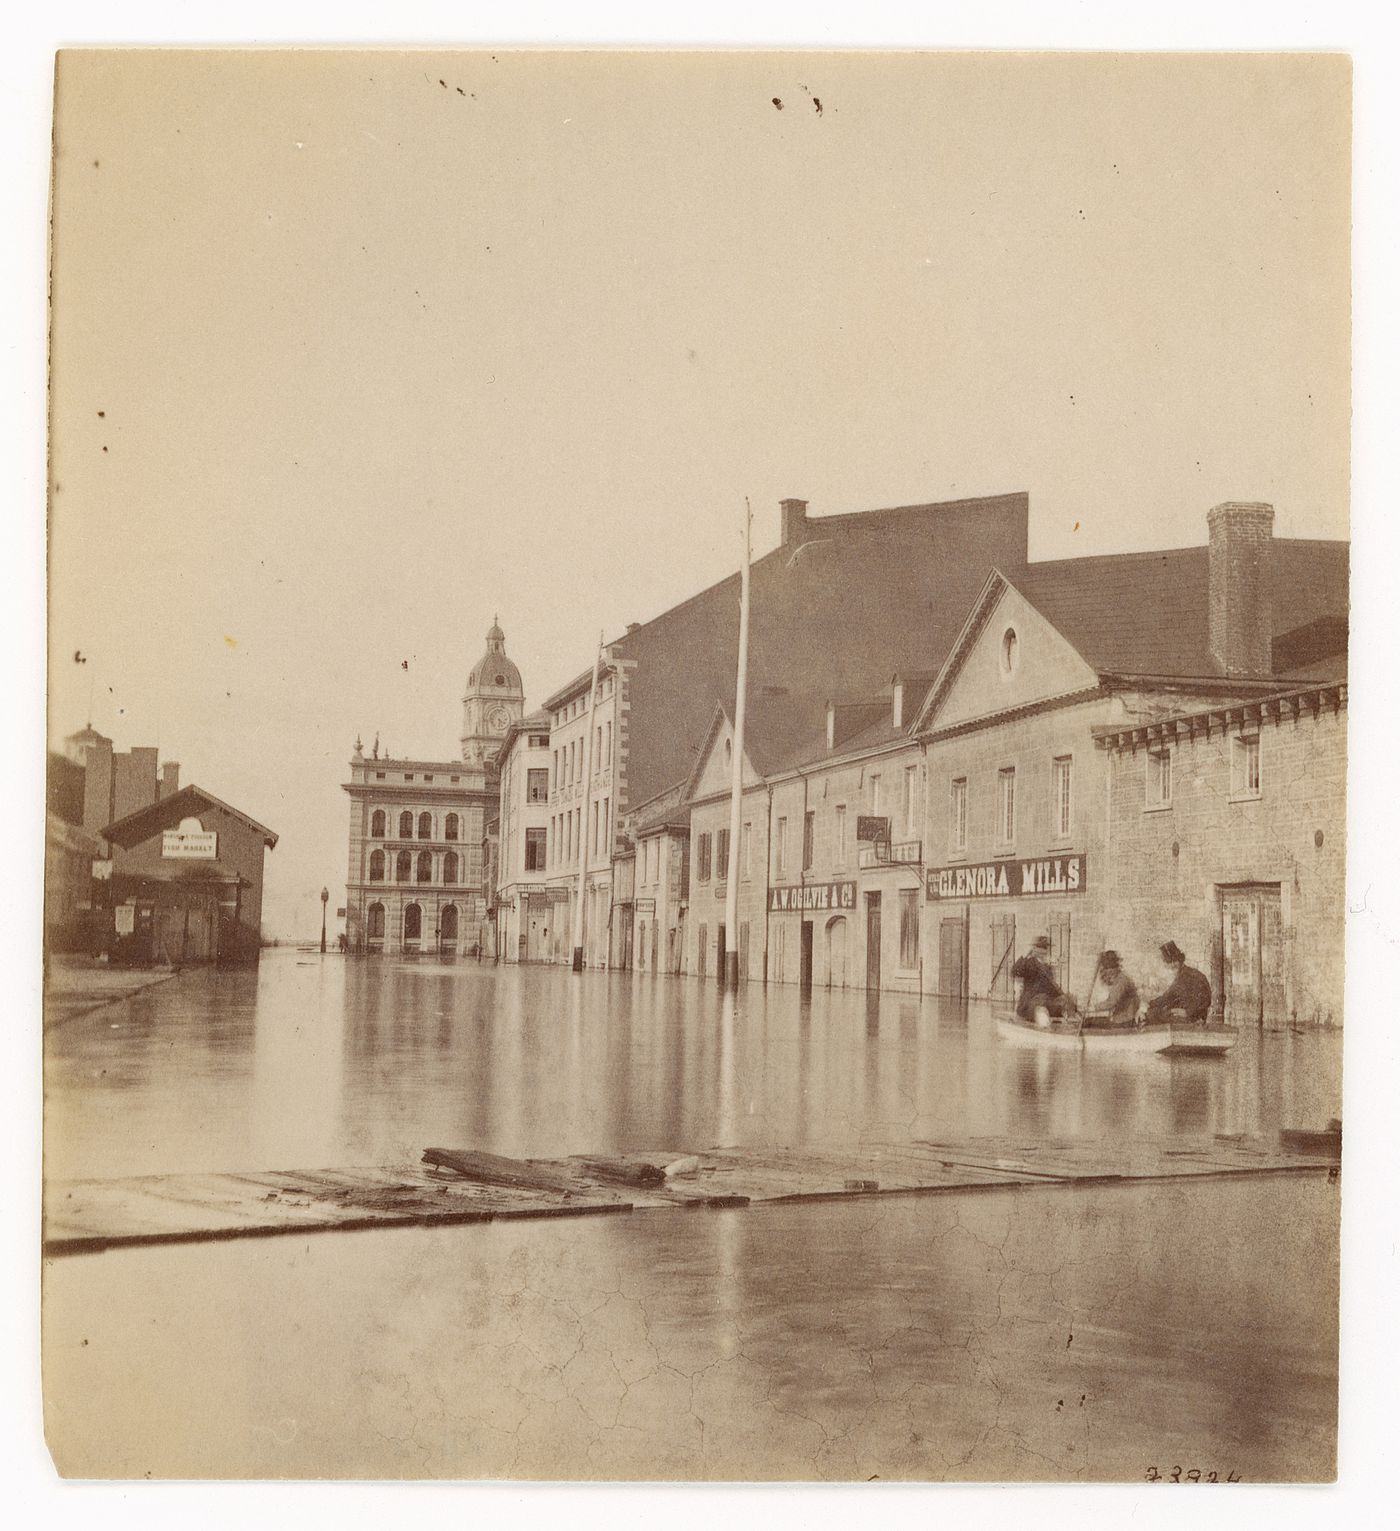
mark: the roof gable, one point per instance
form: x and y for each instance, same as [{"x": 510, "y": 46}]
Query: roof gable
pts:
[
  {"x": 713, "y": 772},
  {"x": 167, "y": 812},
  {"x": 978, "y": 681}
]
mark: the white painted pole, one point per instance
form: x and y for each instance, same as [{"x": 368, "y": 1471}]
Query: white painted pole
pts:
[
  {"x": 583, "y": 836},
  {"x": 736, "y": 783}
]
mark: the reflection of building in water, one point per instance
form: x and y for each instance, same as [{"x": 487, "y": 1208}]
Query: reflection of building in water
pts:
[{"x": 415, "y": 881}]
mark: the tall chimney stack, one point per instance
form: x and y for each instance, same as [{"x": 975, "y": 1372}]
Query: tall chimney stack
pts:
[
  {"x": 794, "y": 521},
  {"x": 1241, "y": 630},
  {"x": 169, "y": 779}
]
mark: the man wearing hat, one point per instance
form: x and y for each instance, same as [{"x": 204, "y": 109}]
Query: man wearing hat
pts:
[
  {"x": 1038, "y": 987},
  {"x": 1113, "y": 1000},
  {"x": 1188, "y": 995}
]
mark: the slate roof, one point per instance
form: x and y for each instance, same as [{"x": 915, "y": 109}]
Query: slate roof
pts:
[
  {"x": 167, "y": 812},
  {"x": 1148, "y": 613},
  {"x": 857, "y": 598}
]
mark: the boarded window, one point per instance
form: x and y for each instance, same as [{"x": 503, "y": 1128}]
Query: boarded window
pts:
[
  {"x": 702, "y": 859},
  {"x": 809, "y": 835},
  {"x": 722, "y": 854}
]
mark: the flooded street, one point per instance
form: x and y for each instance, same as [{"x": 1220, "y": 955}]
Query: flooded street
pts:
[{"x": 1090, "y": 1333}]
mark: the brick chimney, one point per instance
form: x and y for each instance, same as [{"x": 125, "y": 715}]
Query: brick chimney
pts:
[
  {"x": 1241, "y": 626},
  {"x": 794, "y": 521},
  {"x": 169, "y": 778}
]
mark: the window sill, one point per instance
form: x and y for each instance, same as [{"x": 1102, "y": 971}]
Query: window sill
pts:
[
  {"x": 1157, "y": 807},
  {"x": 958, "y": 855},
  {"x": 1245, "y": 797}
]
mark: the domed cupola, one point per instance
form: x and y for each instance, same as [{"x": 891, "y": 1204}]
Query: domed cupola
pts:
[{"x": 494, "y": 699}]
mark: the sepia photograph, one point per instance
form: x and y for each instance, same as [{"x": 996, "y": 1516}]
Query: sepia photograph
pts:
[{"x": 696, "y": 766}]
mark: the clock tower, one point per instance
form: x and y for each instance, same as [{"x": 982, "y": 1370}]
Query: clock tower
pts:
[{"x": 494, "y": 699}]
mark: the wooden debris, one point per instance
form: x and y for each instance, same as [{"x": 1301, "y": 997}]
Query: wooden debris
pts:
[{"x": 493, "y": 1169}]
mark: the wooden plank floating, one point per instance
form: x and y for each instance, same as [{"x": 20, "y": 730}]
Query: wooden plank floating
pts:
[{"x": 466, "y": 1186}]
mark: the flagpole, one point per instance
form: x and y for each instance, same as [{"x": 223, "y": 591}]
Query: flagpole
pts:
[
  {"x": 736, "y": 784},
  {"x": 583, "y": 819}
]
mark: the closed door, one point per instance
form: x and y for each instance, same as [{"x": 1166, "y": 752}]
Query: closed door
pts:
[
  {"x": 1253, "y": 956},
  {"x": 1057, "y": 928},
  {"x": 744, "y": 951},
  {"x": 872, "y": 940},
  {"x": 720, "y": 952},
  {"x": 805, "y": 976},
  {"x": 952, "y": 957},
  {"x": 836, "y": 940},
  {"x": 1003, "y": 955}
]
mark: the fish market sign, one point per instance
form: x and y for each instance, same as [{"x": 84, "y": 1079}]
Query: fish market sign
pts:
[
  {"x": 191, "y": 842},
  {"x": 1010, "y": 879},
  {"x": 813, "y": 896}
]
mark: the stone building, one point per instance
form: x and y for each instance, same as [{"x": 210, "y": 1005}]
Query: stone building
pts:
[
  {"x": 415, "y": 879},
  {"x": 1227, "y": 834},
  {"x": 582, "y": 820},
  {"x": 522, "y": 903},
  {"x": 920, "y": 836},
  {"x": 1018, "y": 795},
  {"x": 661, "y": 882}
]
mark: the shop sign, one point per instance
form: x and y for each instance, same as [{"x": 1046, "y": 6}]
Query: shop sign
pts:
[
  {"x": 191, "y": 842},
  {"x": 126, "y": 919},
  {"x": 646, "y": 906},
  {"x": 1010, "y": 879},
  {"x": 813, "y": 896}
]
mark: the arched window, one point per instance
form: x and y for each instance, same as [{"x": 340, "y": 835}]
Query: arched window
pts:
[
  {"x": 450, "y": 829},
  {"x": 376, "y": 866},
  {"x": 449, "y": 867},
  {"x": 449, "y": 923},
  {"x": 425, "y": 826},
  {"x": 376, "y": 824},
  {"x": 403, "y": 868},
  {"x": 425, "y": 866},
  {"x": 405, "y": 825},
  {"x": 412, "y": 922},
  {"x": 376, "y": 922}
]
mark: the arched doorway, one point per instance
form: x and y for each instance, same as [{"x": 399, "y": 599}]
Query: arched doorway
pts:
[
  {"x": 447, "y": 932},
  {"x": 412, "y": 926},
  {"x": 836, "y": 952}
]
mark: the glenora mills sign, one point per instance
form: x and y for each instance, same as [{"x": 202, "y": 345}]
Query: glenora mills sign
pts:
[{"x": 1010, "y": 879}]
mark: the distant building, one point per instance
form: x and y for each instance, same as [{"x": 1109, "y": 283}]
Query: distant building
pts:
[
  {"x": 523, "y": 905},
  {"x": 187, "y": 882},
  {"x": 89, "y": 785},
  {"x": 416, "y": 880}
]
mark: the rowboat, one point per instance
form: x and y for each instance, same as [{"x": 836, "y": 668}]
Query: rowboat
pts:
[{"x": 1181, "y": 1039}]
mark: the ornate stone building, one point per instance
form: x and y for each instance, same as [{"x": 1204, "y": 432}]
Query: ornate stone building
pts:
[{"x": 415, "y": 878}]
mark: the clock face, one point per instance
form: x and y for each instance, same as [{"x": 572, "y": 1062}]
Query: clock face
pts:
[{"x": 498, "y": 720}]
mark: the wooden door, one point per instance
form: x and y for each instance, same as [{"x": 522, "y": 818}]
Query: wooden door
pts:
[
  {"x": 872, "y": 940},
  {"x": 1003, "y": 955},
  {"x": 744, "y": 952},
  {"x": 952, "y": 958},
  {"x": 805, "y": 974},
  {"x": 1057, "y": 928},
  {"x": 836, "y": 944},
  {"x": 1253, "y": 955}
]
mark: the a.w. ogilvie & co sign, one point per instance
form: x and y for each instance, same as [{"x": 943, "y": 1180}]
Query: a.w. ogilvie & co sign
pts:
[
  {"x": 1010, "y": 879},
  {"x": 812, "y": 896}
]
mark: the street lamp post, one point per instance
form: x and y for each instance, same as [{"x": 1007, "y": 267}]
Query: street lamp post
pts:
[{"x": 325, "y": 898}]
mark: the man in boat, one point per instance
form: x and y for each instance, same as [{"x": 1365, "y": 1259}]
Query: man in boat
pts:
[
  {"x": 1188, "y": 995},
  {"x": 1038, "y": 987},
  {"x": 1113, "y": 1000}
]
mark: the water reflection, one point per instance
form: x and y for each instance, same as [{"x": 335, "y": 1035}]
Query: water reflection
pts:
[{"x": 367, "y": 1062}]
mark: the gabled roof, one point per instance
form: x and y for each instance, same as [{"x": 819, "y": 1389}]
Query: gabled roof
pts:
[
  {"x": 1147, "y": 615},
  {"x": 167, "y": 812},
  {"x": 859, "y": 596}
]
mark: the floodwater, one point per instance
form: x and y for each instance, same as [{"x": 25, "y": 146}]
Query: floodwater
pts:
[{"x": 1086, "y": 1334}]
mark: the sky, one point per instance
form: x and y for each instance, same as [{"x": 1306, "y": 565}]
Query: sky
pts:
[{"x": 352, "y": 352}]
